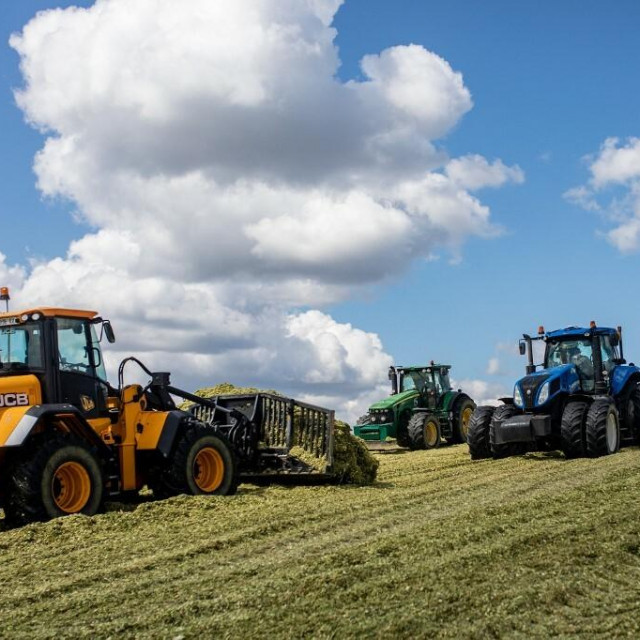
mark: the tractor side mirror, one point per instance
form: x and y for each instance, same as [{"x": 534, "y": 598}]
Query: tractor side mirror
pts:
[
  {"x": 522, "y": 347},
  {"x": 108, "y": 331}
]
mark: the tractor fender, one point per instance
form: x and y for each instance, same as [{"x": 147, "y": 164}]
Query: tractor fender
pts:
[
  {"x": 622, "y": 377},
  {"x": 452, "y": 399},
  {"x": 19, "y": 423},
  {"x": 170, "y": 431}
]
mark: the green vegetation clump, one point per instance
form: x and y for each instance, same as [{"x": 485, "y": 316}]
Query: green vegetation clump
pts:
[
  {"x": 228, "y": 389},
  {"x": 353, "y": 462}
]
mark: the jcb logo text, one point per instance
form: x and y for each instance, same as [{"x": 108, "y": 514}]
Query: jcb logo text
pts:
[{"x": 13, "y": 400}]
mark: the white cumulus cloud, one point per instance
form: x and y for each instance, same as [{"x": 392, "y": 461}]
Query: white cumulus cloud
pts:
[
  {"x": 614, "y": 189},
  {"x": 232, "y": 185}
]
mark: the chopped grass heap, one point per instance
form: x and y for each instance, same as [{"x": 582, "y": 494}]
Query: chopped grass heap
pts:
[{"x": 353, "y": 463}]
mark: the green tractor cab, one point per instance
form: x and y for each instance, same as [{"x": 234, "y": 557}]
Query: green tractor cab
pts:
[{"x": 421, "y": 411}]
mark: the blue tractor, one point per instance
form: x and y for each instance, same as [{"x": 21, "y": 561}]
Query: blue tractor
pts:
[{"x": 584, "y": 400}]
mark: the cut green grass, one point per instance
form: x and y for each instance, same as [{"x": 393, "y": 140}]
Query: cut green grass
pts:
[{"x": 440, "y": 546}]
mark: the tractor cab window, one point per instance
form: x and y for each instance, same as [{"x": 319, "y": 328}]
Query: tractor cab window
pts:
[
  {"x": 442, "y": 381},
  {"x": 21, "y": 346},
  {"x": 408, "y": 383},
  {"x": 577, "y": 352},
  {"x": 75, "y": 350},
  {"x": 413, "y": 380},
  {"x": 609, "y": 353}
]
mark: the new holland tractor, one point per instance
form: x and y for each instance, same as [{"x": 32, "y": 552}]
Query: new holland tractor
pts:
[
  {"x": 421, "y": 411},
  {"x": 583, "y": 399}
]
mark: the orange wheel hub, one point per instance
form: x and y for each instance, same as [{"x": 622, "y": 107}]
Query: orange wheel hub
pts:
[
  {"x": 71, "y": 487},
  {"x": 208, "y": 469}
]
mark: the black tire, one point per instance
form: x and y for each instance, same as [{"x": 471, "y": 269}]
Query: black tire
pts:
[
  {"x": 506, "y": 449},
  {"x": 424, "y": 431},
  {"x": 602, "y": 428},
  {"x": 462, "y": 412},
  {"x": 56, "y": 475},
  {"x": 572, "y": 430},
  {"x": 202, "y": 463},
  {"x": 478, "y": 433},
  {"x": 402, "y": 430},
  {"x": 629, "y": 411}
]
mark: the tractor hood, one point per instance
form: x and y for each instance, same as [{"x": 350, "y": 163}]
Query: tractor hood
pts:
[
  {"x": 537, "y": 389},
  {"x": 392, "y": 401}
]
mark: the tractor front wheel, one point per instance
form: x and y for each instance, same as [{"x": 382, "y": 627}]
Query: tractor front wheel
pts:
[
  {"x": 202, "y": 463},
  {"x": 56, "y": 475},
  {"x": 461, "y": 417},
  {"x": 572, "y": 430},
  {"x": 423, "y": 431},
  {"x": 602, "y": 429},
  {"x": 478, "y": 433},
  {"x": 504, "y": 449}
]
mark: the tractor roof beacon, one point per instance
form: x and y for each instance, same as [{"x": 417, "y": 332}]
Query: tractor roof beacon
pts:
[
  {"x": 422, "y": 410},
  {"x": 583, "y": 399}
]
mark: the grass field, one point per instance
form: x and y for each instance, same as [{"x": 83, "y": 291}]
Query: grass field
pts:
[{"x": 439, "y": 547}]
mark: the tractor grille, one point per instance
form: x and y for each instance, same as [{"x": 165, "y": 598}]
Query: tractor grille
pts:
[{"x": 530, "y": 386}]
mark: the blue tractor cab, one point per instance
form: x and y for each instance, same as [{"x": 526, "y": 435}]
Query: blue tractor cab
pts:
[{"x": 583, "y": 399}]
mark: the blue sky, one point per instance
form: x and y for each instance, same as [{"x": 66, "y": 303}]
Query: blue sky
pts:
[{"x": 550, "y": 81}]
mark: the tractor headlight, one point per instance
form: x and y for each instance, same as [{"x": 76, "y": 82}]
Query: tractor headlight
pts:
[
  {"x": 517, "y": 397},
  {"x": 543, "y": 394}
]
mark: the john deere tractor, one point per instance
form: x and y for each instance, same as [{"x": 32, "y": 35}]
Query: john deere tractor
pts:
[
  {"x": 68, "y": 439},
  {"x": 421, "y": 411},
  {"x": 583, "y": 399}
]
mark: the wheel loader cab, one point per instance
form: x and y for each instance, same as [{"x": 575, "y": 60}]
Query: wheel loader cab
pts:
[{"x": 61, "y": 350}]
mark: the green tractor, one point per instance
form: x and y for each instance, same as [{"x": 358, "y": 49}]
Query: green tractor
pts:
[{"x": 421, "y": 411}]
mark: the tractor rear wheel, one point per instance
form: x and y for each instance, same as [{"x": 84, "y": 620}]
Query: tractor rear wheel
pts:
[
  {"x": 602, "y": 428},
  {"x": 423, "y": 431},
  {"x": 56, "y": 475},
  {"x": 202, "y": 463},
  {"x": 629, "y": 410},
  {"x": 572, "y": 430},
  {"x": 461, "y": 416},
  {"x": 505, "y": 449},
  {"x": 478, "y": 432}
]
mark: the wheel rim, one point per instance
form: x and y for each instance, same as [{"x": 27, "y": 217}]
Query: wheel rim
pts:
[
  {"x": 430, "y": 434},
  {"x": 71, "y": 487},
  {"x": 612, "y": 431},
  {"x": 208, "y": 469},
  {"x": 464, "y": 422}
]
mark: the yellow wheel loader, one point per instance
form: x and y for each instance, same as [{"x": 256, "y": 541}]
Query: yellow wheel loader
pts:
[{"x": 69, "y": 440}]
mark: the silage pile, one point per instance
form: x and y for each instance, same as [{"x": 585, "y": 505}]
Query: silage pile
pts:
[{"x": 352, "y": 461}]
